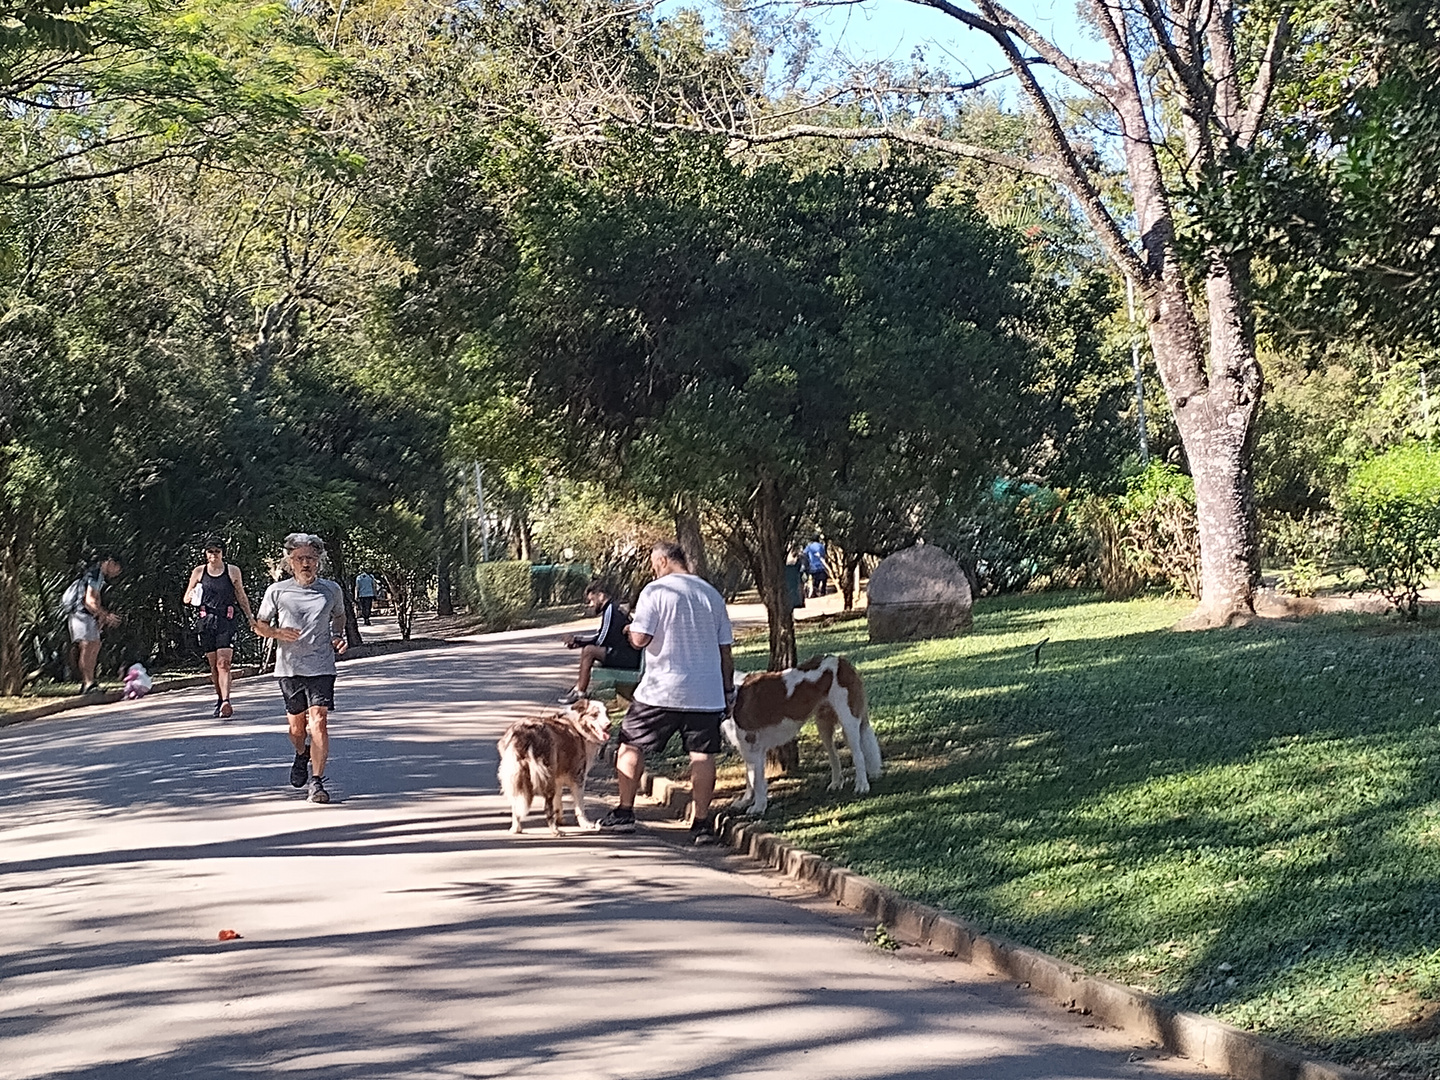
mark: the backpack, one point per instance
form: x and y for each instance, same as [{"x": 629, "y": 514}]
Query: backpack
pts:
[{"x": 72, "y": 601}]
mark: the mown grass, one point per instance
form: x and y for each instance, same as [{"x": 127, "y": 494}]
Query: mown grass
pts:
[{"x": 1245, "y": 822}]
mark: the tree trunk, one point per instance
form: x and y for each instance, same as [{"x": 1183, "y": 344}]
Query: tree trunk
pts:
[
  {"x": 850, "y": 577},
  {"x": 403, "y": 595},
  {"x": 1215, "y": 414},
  {"x": 770, "y": 578},
  {"x": 688, "y": 536},
  {"x": 444, "y": 601},
  {"x": 524, "y": 538},
  {"x": 335, "y": 550},
  {"x": 12, "y": 554},
  {"x": 770, "y": 573}
]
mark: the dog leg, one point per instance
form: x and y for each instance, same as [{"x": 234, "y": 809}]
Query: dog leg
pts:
[
  {"x": 825, "y": 728},
  {"x": 871, "y": 745},
  {"x": 578, "y": 794},
  {"x": 755, "y": 775},
  {"x": 855, "y": 741},
  {"x": 519, "y": 807},
  {"x": 554, "y": 807}
]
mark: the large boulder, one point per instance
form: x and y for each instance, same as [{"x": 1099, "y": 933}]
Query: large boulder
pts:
[{"x": 918, "y": 593}]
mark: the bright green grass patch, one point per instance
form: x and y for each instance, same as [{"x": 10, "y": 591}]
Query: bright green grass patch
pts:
[{"x": 1245, "y": 822}]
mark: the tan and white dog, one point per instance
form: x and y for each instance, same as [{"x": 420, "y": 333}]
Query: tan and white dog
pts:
[
  {"x": 772, "y": 706},
  {"x": 545, "y": 755}
]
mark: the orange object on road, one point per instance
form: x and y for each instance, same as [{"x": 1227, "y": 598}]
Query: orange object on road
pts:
[{"x": 228, "y": 935}]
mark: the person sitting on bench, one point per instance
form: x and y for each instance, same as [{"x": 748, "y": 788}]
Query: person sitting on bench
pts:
[{"x": 608, "y": 646}]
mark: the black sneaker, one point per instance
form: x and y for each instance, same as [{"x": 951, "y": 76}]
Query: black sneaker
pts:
[
  {"x": 619, "y": 820},
  {"x": 216, "y": 713},
  {"x": 571, "y": 696},
  {"x": 702, "y": 833},
  {"x": 318, "y": 794},
  {"x": 91, "y": 690},
  {"x": 300, "y": 771}
]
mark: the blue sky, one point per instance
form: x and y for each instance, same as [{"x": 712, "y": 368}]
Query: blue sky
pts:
[
  {"x": 893, "y": 29},
  {"x": 870, "y": 31}
]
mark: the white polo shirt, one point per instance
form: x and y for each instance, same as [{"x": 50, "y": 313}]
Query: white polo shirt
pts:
[{"x": 687, "y": 623}]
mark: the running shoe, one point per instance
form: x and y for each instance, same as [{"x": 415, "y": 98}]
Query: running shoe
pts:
[
  {"x": 702, "y": 833},
  {"x": 93, "y": 688},
  {"x": 225, "y": 711},
  {"x": 619, "y": 820},
  {"x": 218, "y": 703},
  {"x": 318, "y": 794},
  {"x": 570, "y": 696},
  {"x": 300, "y": 771}
]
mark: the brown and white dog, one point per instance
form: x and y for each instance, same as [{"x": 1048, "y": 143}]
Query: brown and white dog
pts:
[
  {"x": 772, "y": 706},
  {"x": 545, "y": 755}
]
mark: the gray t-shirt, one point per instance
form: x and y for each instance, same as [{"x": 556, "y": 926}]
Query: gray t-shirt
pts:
[{"x": 318, "y": 612}]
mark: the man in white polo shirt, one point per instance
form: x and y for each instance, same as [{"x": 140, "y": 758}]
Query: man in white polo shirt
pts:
[{"x": 687, "y": 686}]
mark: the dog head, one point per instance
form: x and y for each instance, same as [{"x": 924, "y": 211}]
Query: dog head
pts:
[{"x": 590, "y": 718}]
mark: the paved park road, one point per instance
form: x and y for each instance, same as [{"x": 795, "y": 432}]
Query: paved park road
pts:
[{"x": 400, "y": 932}]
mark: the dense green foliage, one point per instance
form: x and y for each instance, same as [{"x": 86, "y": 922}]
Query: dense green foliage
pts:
[
  {"x": 1391, "y": 513},
  {"x": 503, "y": 592},
  {"x": 1259, "y": 847}
]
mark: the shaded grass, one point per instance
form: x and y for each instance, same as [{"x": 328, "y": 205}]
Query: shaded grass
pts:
[{"x": 1245, "y": 822}]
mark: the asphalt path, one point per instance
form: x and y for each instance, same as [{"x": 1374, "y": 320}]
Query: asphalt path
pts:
[{"x": 402, "y": 932}]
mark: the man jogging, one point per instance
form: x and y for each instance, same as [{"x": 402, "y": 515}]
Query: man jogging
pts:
[
  {"x": 305, "y": 616},
  {"x": 220, "y": 591},
  {"x": 688, "y": 685}
]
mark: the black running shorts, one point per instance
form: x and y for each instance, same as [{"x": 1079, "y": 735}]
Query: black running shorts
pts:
[
  {"x": 621, "y": 658},
  {"x": 302, "y": 692},
  {"x": 215, "y": 635},
  {"x": 649, "y": 727}
]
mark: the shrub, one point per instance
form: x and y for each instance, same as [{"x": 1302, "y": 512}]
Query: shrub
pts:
[
  {"x": 1147, "y": 536},
  {"x": 1304, "y": 544},
  {"x": 1015, "y": 536},
  {"x": 1163, "y": 538},
  {"x": 502, "y": 593},
  {"x": 555, "y": 584},
  {"x": 1391, "y": 514}
]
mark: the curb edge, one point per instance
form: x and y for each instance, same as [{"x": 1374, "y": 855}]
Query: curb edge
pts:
[{"x": 1206, "y": 1041}]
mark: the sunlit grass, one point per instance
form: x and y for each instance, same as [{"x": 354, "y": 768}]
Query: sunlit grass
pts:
[{"x": 1246, "y": 822}]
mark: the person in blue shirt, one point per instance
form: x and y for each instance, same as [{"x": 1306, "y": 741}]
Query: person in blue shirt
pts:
[
  {"x": 365, "y": 591},
  {"x": 814, "y": 559}
]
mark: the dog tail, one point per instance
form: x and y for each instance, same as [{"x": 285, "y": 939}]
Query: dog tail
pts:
[
  {"x": 514, "y": 777},
  {"x": 849, "y": 678}
]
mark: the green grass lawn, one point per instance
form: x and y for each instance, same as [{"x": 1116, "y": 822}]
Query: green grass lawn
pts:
[{"x": 1245, "y": 822}]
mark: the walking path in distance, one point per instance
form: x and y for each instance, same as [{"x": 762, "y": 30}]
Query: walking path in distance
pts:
[{"x": 401, "y": 932}]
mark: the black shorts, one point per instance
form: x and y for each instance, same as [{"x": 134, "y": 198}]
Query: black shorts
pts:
[
  {"x": 649, "y": 727},
  {"x": 621, "y": 658},
  {"x": 302, "y": 692},
  {"x": 216, "y": 635}
]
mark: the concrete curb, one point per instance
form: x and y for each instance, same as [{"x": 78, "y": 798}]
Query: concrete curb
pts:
[
  {"x": 240, "y": 671},
  {"x": 1199, "y": 1038}
]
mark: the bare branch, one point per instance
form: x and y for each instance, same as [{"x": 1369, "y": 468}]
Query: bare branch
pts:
[
  {"x": 1090, "y": 76},
  {"x": 1072, "y": 173},
  {"x": 1036, "y": 167},
  {"x": 1220, "y": 35},
  {"x": 1264, "y": 81}
]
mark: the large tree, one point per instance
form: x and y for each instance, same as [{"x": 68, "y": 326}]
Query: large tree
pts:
[{"x": 1163, "y": 126}]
